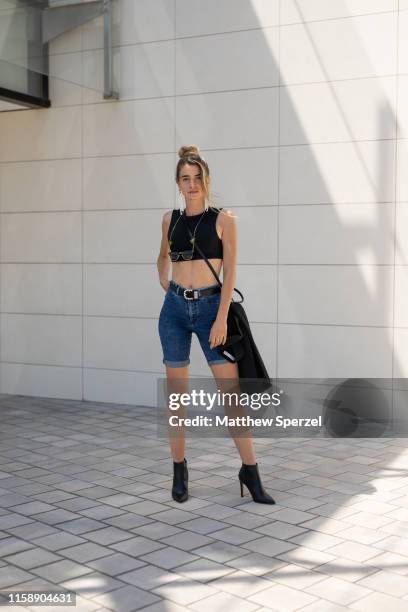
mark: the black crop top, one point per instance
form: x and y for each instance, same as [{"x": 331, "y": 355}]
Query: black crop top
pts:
[{"x": 206, "y": 234}]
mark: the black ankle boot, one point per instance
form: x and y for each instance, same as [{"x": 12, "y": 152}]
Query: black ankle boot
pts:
[
  {"x": 249, "y": 476},
  {"x": 179, "y": 491}
]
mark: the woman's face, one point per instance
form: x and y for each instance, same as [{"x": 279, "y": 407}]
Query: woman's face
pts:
[{"x": 190, "y": 182}]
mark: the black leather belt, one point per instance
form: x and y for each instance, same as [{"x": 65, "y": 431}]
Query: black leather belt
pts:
[{"x": 193, "y": 294}]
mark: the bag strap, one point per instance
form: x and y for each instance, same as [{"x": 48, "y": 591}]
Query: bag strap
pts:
[{"x": 195, "y": 245}]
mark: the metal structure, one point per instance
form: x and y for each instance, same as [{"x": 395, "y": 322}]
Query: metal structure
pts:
[{"x": 27, "y": 27}]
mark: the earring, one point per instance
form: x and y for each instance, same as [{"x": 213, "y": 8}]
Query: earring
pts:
[{"x": 182, "y": 202}]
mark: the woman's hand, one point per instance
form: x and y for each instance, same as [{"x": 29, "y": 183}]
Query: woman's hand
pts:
[
  {"x": 165, "y": 284},
  {"x": 218, "y": 333}
]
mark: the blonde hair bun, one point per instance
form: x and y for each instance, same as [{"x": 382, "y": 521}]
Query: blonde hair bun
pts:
[{"x": 188, "y": 150}]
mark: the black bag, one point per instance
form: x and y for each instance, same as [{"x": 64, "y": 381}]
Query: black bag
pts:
[{"x": 240, "y": 346}]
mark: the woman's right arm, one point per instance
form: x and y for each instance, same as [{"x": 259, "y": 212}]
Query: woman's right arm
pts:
[{"x": 163, "y": 260}]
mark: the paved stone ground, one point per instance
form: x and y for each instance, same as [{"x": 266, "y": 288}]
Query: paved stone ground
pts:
[{"x": 85, "y": 504}]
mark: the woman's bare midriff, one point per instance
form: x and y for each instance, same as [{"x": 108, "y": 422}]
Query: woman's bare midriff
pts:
[{"x": 196, "y": 273}]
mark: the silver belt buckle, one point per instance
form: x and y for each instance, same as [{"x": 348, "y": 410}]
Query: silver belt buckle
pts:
[{"x": 195, "y": 294}]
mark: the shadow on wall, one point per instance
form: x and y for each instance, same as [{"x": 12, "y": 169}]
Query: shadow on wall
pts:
[{"x": 335, "y": 125}]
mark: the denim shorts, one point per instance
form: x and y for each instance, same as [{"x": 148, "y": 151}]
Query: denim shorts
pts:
[{"x": 179, "y": 318}]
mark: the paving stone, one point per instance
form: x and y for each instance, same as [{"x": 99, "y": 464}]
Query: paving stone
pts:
[
  {"x": 220, "y": 551},
  {"x": 292, "y": 516},
  {"x": 393, "y": 544},
  {"x": 174, "y": 516},
  {"x": 78, "y": 503},
  {"x": 282, "y": 598},
  {"x": 126, "y": 599},
  {"x": 119, "y": 499},
  {"x": 398, "y": 528},
  {"x": 362, "y": 535},
  {"x": 280, "y": 530},
  {"x": 156, "y": 530},
  {"x": 163, "y": 496},
  {"x": 31, "y": 488},
  {"x": 33, "y": 584},
  {"x": 148, "y": 577},
  {"x": 334, "y": 511},
  {"x": 85, "y": 552},
  {"x": 115, "y": 564},
  {"x": 194, "y": 503},
  {"x": 342, "y": 568},
  {"x": 374, "y": 507},
  {"x": 203, "y": 570},
  {"x": 53, "y": 517},
  {"x": 101, "y": 512},
  {"x": 318, "y": 481},
  {"x": 57, "y": 541},
  {"x": 400, "y": 514},
  {"x": 34, "y": 507},
  {"x": 223, "y": 601},
  {"x": 353, "y": 551},
  {"x": 187, "y": 540},
  {"x": 92, "y": 584},
  {"x": 255, "y": 563},
  {"x": 306, "y": 557},
  {"x": 13, "y": 545},
  {"x": 13, "y": 483},
  {"x": 10, "y": 576},
  {"x": 325, "y": 525},
  {"x": 392, "y": 562},
  {"x": 203, "y": 525},
  {"x": 338, "y": 591},
  {"x": 108, "y": 535},
  {"x": 96, "y": 492},
  {"x": 128, "y": 521},
  {"x": 213, "y": 510},
  {"x": 32, "y": 558},
  {"x": 235, "y": 535},
  {"x": 166, "y": 606},
  {"x": 168, "y": 557},
  {"x": 294, "y": 576},
  {"x": 365, "y": 519},
  {"x": 54, "y": 497},
  {"x": 139, "y": 489},
  {"x": 322, "y": 605},
  {"x": 12, "y": 499},
  {"x": 183, "y": 592},
  {"x": 378, "y": 602},
  {"x": 316, "y": 540},
  {"x": 386, "y": 582},
  {"x": 269, "y": 546},
  {"x": 298, "y": 502},
  {"x": 79, "y": 526},
  {"x": 72, "y": 486},
  {"x": 309, "y": 491},
  {"x": 13, "y": 520},
  {"x": 247, "y": 520},
  {"x": 241, "y": 584},
  {"x": 85, "y": 605},
  {"x": 137, "y": 546},
  {"x": 335, "y": 498}
]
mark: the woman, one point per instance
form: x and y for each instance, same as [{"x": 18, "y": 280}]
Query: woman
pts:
[{"x": 203, "y": 311}]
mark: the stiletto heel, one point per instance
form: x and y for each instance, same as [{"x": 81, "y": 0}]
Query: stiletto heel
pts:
[
  {"x": 242, "y": 489},
  {"x": 249, "y": 476},
  {"x": 179, "y": 491}
]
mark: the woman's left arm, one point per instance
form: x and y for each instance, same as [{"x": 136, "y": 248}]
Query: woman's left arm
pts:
[{"x": 229, "y": 247}]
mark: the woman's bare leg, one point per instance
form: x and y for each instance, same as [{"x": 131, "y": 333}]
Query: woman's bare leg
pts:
[
  {"x": 177, "y": 382},
  {"x": 244, "y": 444}
]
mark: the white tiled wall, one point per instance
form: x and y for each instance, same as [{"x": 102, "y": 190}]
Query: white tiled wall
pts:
[{"x": 300, "y": 108}]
